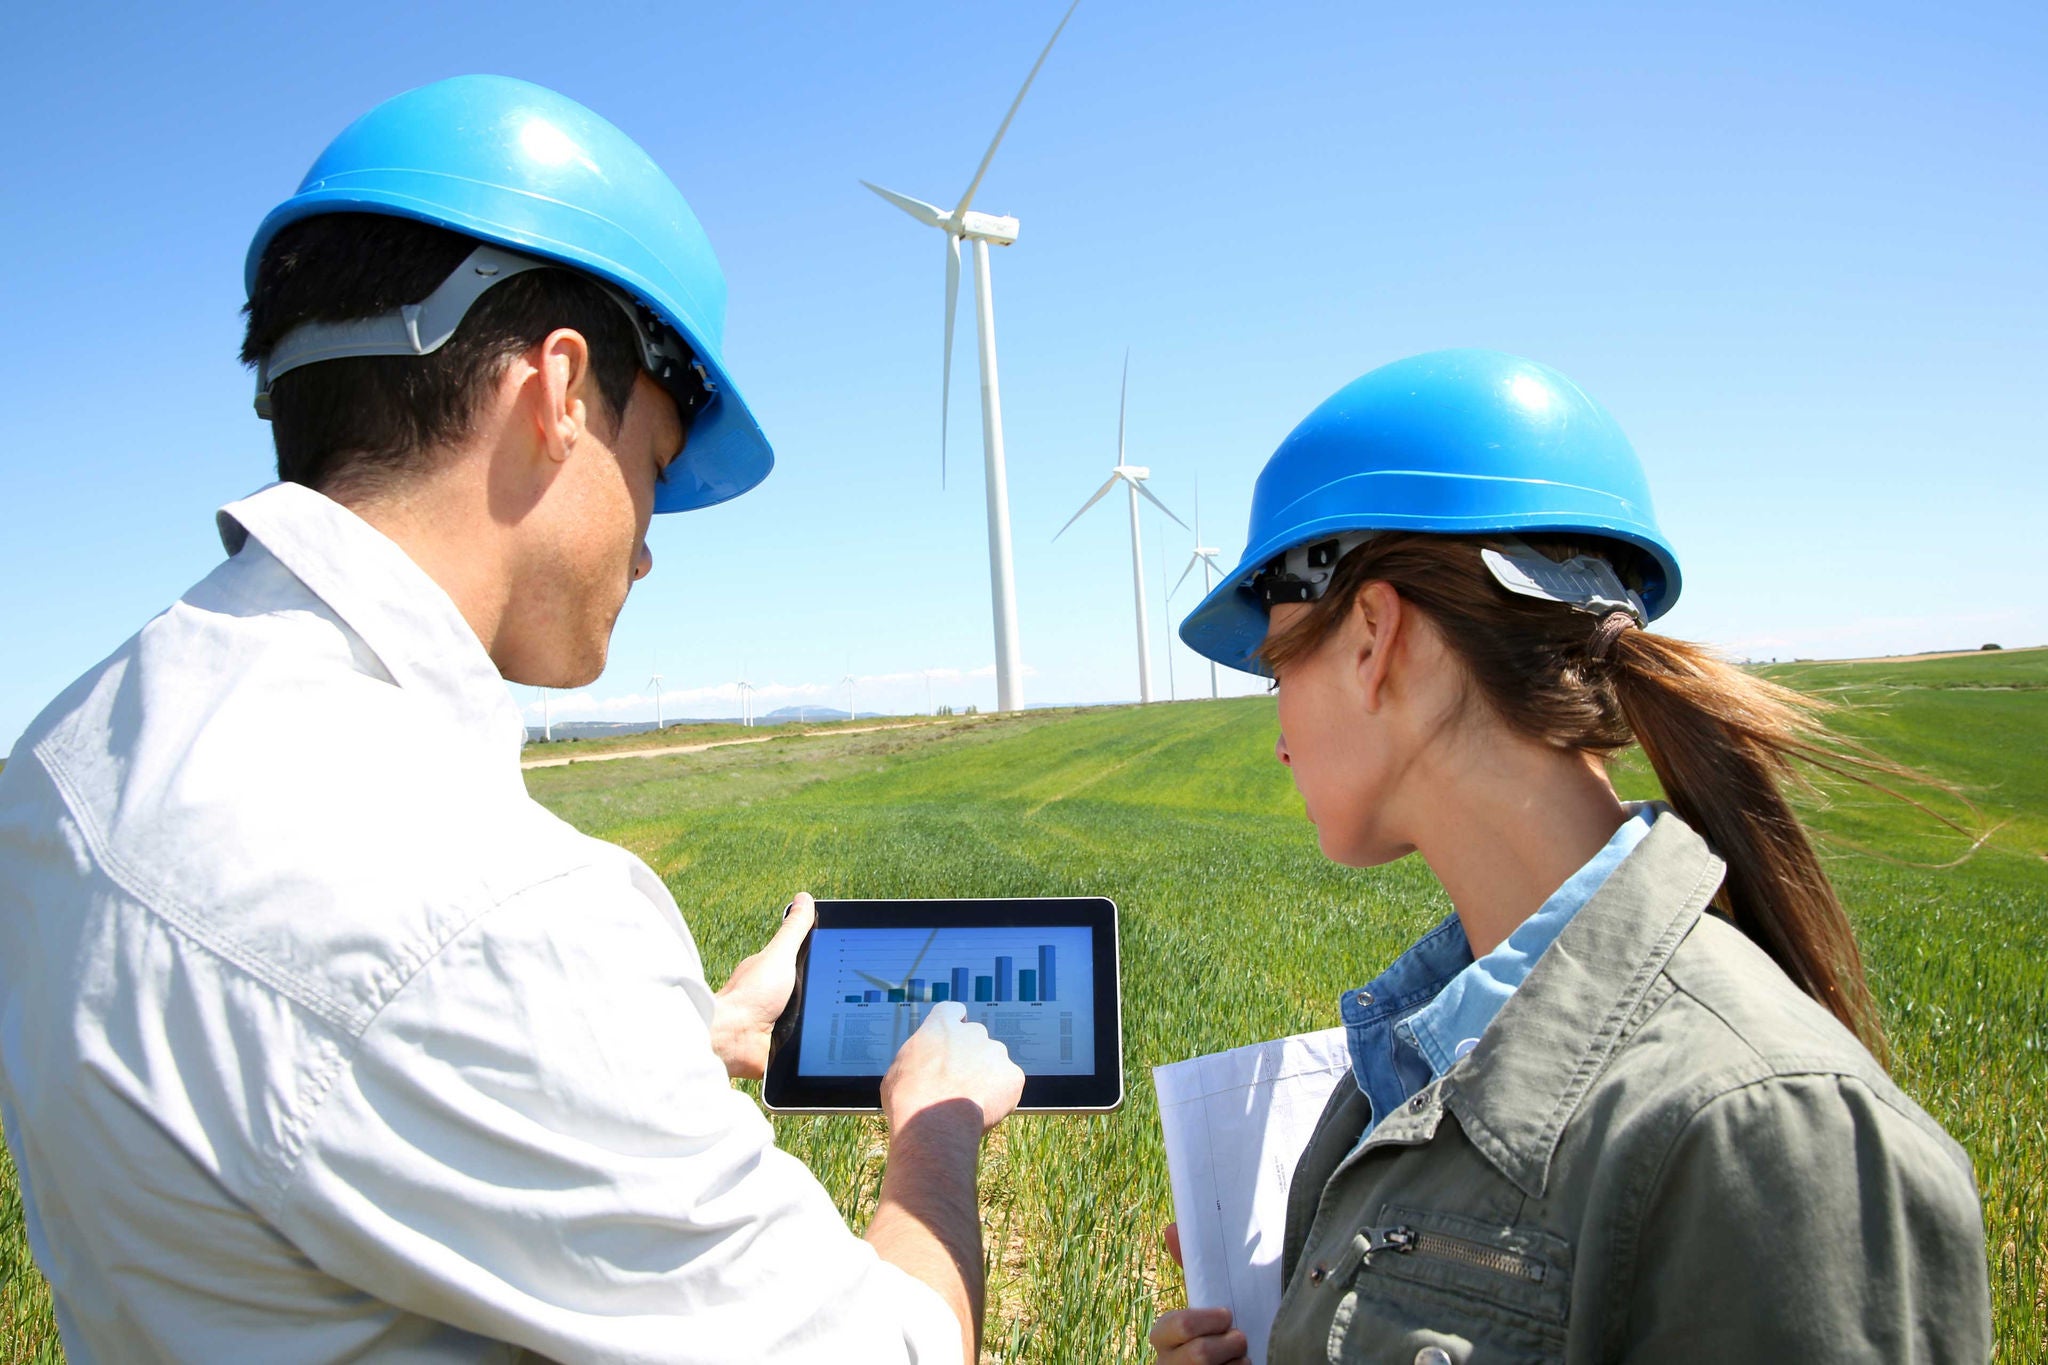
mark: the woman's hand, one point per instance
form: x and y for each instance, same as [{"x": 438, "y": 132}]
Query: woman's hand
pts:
[{"x": 1195, "y": 1336}]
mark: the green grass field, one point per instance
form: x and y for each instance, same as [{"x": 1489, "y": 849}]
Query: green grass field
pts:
[{"x": 1235, "y": 929}]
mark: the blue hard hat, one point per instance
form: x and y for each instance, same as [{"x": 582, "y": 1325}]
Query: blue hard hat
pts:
[
  {"x": 515, "y": 164},
  {"x": 1458, "y": 442}
]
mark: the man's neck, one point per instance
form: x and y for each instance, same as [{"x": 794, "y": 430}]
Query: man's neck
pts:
[{"x": 442, "y": 522}]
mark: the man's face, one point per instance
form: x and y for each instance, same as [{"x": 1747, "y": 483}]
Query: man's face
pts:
[{"x": 594, "y": 546}]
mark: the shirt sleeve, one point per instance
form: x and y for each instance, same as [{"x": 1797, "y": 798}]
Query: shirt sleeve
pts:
[
  {"x": 1803, "y": 1218},
  {"x": 534, "y": 1142}
]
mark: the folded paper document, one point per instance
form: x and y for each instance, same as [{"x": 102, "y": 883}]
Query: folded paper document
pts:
[{"x": 1235, "y": 1125}]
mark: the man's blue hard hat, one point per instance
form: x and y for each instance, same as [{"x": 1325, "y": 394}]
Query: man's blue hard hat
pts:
[
  {"x": 1458, "y": 442},
  {"x": 520, "y": 166}
]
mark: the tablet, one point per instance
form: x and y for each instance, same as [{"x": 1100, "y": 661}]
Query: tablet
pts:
[{"x": 1040, "y": 974}]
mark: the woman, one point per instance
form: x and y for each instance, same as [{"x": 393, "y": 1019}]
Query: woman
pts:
[{"x": 1624, "y": 1103}]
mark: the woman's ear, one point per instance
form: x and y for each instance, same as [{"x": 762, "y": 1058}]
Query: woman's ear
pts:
[{"x": 1378, "y": 617}]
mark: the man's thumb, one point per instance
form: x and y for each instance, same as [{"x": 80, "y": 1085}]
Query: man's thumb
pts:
[{"x": 797, "y": 920}]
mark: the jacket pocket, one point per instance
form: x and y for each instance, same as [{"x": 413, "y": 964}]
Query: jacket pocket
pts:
[{"x": 1431, "y": 1288}]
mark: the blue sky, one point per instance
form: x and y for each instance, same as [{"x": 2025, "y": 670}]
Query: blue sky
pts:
[{"x": 1798, "y": 251}]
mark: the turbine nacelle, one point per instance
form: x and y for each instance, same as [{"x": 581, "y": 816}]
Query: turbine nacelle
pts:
[{"x": 987, "y": 227}]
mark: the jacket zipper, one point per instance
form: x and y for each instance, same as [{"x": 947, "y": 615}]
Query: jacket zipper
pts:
[{"x": 1406, "y": 1241}]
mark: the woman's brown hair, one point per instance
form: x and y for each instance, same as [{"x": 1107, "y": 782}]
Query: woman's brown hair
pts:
[{"x": 1722, "y": 740}]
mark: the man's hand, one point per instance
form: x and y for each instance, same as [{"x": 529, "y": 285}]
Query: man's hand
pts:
[
  {"x": 949, "y": 1059},
  {"x": 746, "y": 1008}
]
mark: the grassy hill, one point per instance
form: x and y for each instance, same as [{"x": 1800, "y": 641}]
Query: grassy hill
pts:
[{"x": 1236, "y": 929}]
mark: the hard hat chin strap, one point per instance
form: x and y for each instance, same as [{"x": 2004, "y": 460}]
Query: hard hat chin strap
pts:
[{"x": 418, "y": 329}]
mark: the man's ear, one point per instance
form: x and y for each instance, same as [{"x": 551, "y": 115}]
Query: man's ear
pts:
[
  {"x": 561, "y": 362},
  {"x": 1378, "y": 618}
]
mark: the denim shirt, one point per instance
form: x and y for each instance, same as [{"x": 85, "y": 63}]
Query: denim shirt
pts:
[{"x": 1410, "y": 1023}]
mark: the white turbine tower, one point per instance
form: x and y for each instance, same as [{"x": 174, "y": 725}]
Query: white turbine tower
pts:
[
  {"x": 655, "y": 683},
  {"x": 746, "y": 690},
  {"x": 848, "y": 680},
  {"x": 1167, "y": 602},
  {"x": 960, "y": 224},
  {"x": 1204, "y": 555},
  {"x": 1133, "y": 478}
]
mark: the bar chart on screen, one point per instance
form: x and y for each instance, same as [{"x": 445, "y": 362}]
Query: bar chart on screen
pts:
[{"x": 869, "y": 989}]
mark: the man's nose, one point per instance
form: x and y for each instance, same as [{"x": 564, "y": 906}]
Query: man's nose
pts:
[
  {"x": 643, "y": 563},
  {"x": 1280, "y": 752}
]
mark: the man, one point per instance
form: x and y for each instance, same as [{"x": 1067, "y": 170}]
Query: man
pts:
[{"x": 318, "y": 1038}]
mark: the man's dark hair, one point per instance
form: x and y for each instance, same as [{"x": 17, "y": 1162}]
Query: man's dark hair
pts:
[{"x": 364, "y": 420}]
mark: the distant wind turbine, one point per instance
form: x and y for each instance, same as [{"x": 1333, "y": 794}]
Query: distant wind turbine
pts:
[
  {"x": 1204, "y": 555},
  {"x": 961, "y": 224},
  {"x": 848, "y": 680},
  {"x": 1133, "y": 478},
  {"x": 746, "y": 691},
  {"x": 655, "y": 683},
  {"x": 1167, "y": 594}
]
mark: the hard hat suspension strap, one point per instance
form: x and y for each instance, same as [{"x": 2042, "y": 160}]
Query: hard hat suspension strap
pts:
[{"x": 419, "y": 329}]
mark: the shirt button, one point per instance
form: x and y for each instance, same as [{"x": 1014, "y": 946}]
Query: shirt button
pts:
[
  {"x": 1319, "y": 1273},
  {"x": 1433, "y": 1355},
  {"x": 1365, "y": 997}
]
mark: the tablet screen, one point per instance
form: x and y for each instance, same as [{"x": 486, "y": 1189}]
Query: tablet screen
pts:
[
  {"x": 1040, "y": 974},
  {"x": 866, "y": 990}
]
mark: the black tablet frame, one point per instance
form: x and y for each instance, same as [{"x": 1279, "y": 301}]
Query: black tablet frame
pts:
[{"x": 784, "y": 1091}]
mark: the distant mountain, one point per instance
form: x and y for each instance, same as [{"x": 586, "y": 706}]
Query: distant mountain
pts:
[{"x": 608, "y": 729}]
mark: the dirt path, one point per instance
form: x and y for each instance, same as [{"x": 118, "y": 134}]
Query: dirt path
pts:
[
  {"x": 1918, "y": 658},
  {"x": 670, "y": 749}
]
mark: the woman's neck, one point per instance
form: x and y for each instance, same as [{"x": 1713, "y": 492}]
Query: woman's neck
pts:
[{"x": 1511, "y": 820}]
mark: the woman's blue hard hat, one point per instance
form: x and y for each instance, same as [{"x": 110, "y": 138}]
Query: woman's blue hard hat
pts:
[
  {"x": 518, "y": 165},
  {"x": 1463, "y": 442}
]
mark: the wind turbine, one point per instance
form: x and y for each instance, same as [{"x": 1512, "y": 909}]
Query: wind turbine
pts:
[
  {"x": 1171, "y": 694},
  {"x": 848, "y": 680},
  {"x": 1133, "y": 478},
  {"x": 1204, "y": 555},
  {"x": 746, "y": 691},
  {"x": 961, "y": 224},
  {"x": 655, "y": 683}
]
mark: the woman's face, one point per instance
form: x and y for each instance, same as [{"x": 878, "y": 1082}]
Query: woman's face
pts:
[{"x": 1356, "y": 715}]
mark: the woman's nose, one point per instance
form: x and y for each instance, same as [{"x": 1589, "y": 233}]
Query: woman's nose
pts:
[
  {"x": 643, "y": 563},
  {"x": 1280, "y": 752}
]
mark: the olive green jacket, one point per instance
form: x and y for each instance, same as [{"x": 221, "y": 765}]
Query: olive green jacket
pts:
[{"x": 1661, "y": 1150}]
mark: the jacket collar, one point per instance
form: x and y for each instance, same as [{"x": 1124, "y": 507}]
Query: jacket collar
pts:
[
  {"x": 405, "y": 618},
  {"x": 1553, "y": 1038}
]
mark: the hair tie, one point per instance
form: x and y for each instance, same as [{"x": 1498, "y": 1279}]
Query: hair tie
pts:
[{"x": 1607, "y": 632}]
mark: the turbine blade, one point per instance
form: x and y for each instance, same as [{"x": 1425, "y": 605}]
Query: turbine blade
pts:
[
  {"x": 1185, "y": 572},
  {"x": 931, "y": 215},
  {"x": 1123, "y": 395},
  {"x": 1100, "y": 494},
  {"x": 990, "y": 154},
  {"x": 946, "y": 384},
  {"x": 1157, "y": 503}
]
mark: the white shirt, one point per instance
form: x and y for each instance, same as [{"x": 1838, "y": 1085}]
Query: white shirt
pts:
[{"x": 319, "y": 1039}]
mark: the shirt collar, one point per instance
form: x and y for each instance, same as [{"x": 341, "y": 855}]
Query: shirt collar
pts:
[
  {"x": 1451, "y": 1024},
  {"x": 405, "y": 618},
  {"x": 1514, "y": 1094}
]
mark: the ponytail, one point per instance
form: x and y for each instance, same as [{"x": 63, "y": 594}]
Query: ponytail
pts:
[{"x": 1722, "y": 741}]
